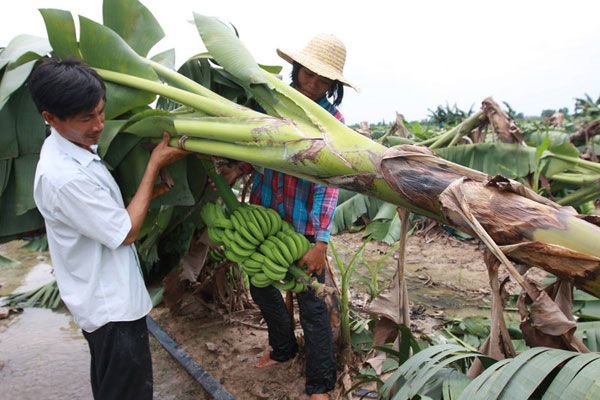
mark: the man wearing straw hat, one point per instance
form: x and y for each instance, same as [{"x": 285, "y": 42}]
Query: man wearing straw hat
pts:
[{"x": 317, "y": 72}]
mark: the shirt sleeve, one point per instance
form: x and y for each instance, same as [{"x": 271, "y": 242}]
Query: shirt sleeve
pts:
[
  {"x": 324, "y": 202},
  {"x": 89, "y": 209}
]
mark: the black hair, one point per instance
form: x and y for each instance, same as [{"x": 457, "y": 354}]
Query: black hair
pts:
[
  {"x": 336, "y": 91},
  {"x": 66, "y": 88}
]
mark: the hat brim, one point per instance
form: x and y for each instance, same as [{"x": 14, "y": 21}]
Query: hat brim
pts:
[{"x": 315, "y": 66}]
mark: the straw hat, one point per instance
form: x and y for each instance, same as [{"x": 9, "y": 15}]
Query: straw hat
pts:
[{"x": 324, "y": 55}]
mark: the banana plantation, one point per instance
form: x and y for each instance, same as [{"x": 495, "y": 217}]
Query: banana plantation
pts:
[{"x": 521, "y": 191}]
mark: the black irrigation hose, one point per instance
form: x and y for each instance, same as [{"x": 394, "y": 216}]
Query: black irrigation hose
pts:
[{"x": 210, "y": 384}]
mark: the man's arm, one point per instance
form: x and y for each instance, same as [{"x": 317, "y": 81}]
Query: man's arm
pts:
[{"x": 161, "y": 156}]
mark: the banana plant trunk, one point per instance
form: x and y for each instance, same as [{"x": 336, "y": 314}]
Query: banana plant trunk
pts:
[{"x": 414, "y": 178}]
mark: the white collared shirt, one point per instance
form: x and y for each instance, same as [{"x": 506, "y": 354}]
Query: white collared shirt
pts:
[{"x": 86, "y": 221}]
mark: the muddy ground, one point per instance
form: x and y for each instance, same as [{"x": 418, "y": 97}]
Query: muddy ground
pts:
[{"x": 446, "y": 277}]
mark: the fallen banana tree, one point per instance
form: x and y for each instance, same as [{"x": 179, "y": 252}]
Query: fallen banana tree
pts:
[{"x": 302, "y": 139}]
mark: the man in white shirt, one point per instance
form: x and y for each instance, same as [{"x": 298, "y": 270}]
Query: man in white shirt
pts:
[{"x": 90, "y": 231}]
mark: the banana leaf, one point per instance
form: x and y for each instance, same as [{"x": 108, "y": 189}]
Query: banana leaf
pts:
[
  {"x": 18, "y": 59},
  {"x": 566, "y": 376},
  {"x": 9, "y": 147},
  {"x": 510, "y": 160},
  {"x": 589, "y": 333},
  {"x": 37, "y": 244},
  {"x": 13, "y": 225},
  {"x": 5, "y": 169},
  {"x": 556, "y": 138},
  {"x": 60, "y": 28},
  {"x": 350, "y": 207},
  {"x": 166, "y": 58},
  {"x": 385, "y": 225},
  {"x": 134, "y": 23},
  {"x": 28, "y": 124},
  {"x": 454, "y": 384},
  {"x": 95, "y": 42}
]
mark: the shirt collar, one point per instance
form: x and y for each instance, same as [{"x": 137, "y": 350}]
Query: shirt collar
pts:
[{"x": 81, "y": 155}]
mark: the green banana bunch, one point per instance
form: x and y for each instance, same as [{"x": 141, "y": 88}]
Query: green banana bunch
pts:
[{"x": 260, "y": 242}]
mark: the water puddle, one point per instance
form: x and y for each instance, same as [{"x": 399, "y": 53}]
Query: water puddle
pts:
[
  {"x": 38, "y": 276},
  {"x": 43, "y": 355}
]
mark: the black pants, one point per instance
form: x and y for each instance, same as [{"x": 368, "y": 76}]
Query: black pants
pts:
[
  {"x": 314, "y": 317},
  {"x": 121, "y": 367}
]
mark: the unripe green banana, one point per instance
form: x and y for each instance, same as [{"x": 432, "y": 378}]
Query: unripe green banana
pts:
[
  {"x": 266, "y": 250},
  {"x": 226, "y": 242},
  {"x": 271, "y": 274},
  {"x": 305, "y": 243},
  {"x": 265, "y": 227},
  {"x": 256, "y": 256},
  {"x": 298, "y": 272},
  {"x": 239, "y": 250},
  {"x": 275, "y": 267},
  {"x": 237, "y": 237},
  {"x": 229, "y": 234},
  {"x": 219, "y": 211},
  {"x": 265, "y": 216},
  {"x": 222, "y": 222},
  {"x": 275, "y": 221},
  {"x": 215, "y": 235},
  {"x": 248, "y": 236},
  {"x": 291, "y": 245},
  {"x": 296, "y": 237},
  {"x": 252, "y": 224},
  {"x": 249, "y": 215},
  {"x": 286, "y": 285},
  {"x": 299, "y": 287},
  {"x": 237, "y": 216},
  {"x": 250, "y": 268},
  {"x": 248, "y": 271},
  {"x": 253, "y": 265},
  {"x": 275, "y": 254},
  {"x": 286, "y": 227},
  {"x": 283, "y": 249},
  {"x": 231, "y": 256},
  {"x": 260, "y": 280},
  {"x": 207, "y": 214}
]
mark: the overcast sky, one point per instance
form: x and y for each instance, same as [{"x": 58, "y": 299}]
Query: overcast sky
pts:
[{"x": 404, "y": 56}]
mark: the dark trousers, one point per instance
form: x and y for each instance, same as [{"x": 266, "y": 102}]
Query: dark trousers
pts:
[
  {"x": 121, "y": 367},
  {"x": 314, "y": 317}
]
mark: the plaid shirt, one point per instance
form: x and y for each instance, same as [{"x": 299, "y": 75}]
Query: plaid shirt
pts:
[{"x": 308, "y": 206}]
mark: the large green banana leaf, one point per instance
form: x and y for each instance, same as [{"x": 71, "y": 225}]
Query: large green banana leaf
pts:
[
  {"x": 506, "y": 159},
  {"x": 351, "y": 206},
  {"x": 132, "y": 21},
  {"x": 17, "y": 60}
]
